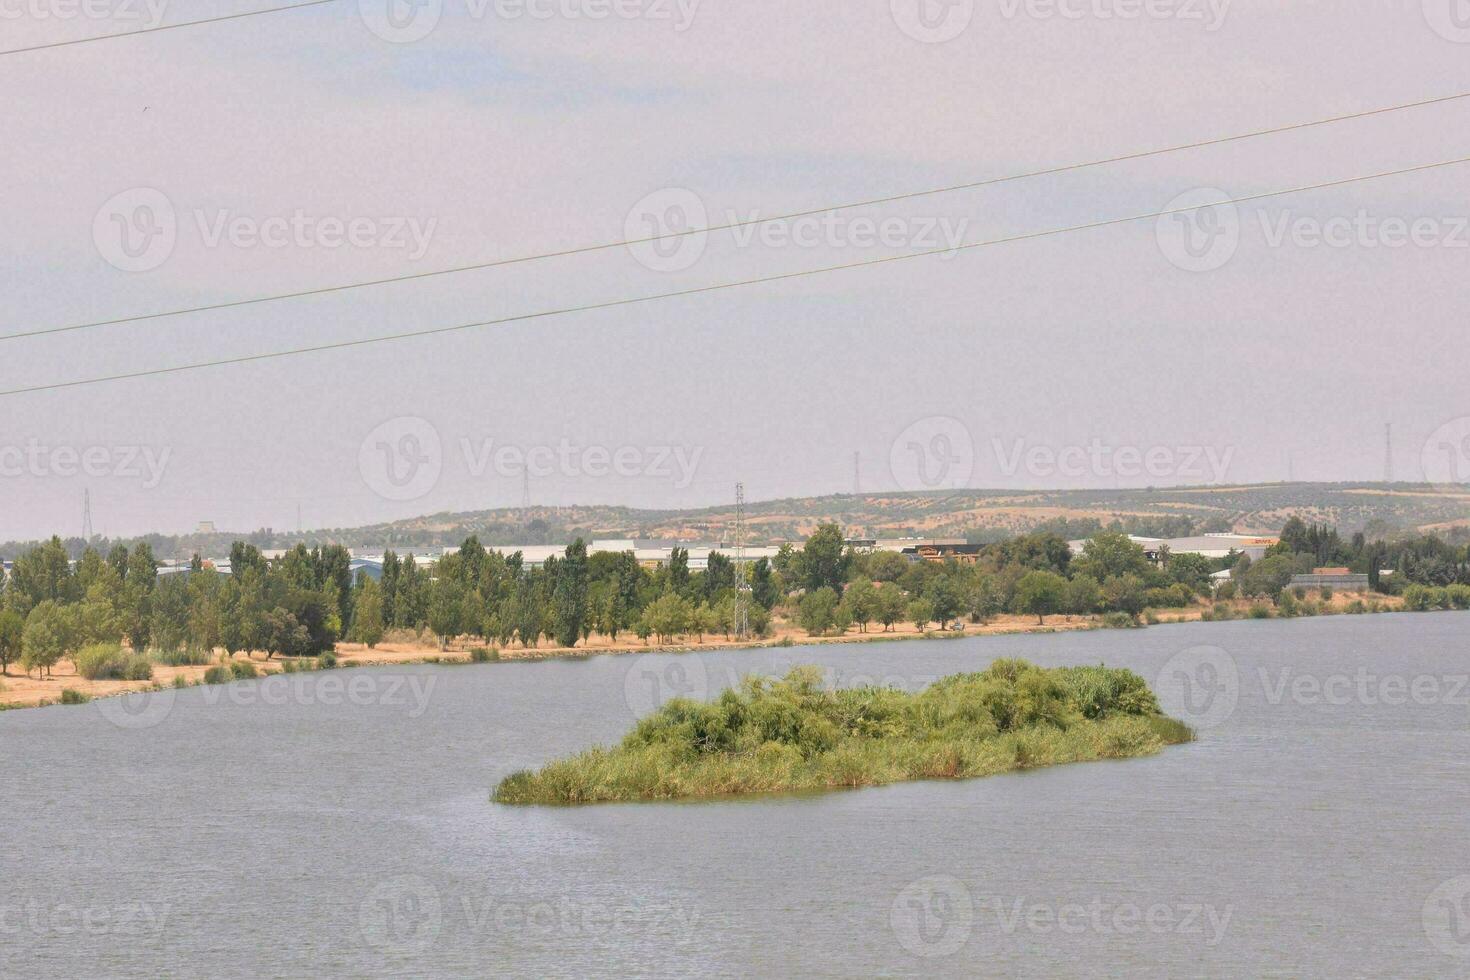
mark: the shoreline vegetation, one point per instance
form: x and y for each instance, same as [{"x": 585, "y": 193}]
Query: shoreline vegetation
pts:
[
  {"x": 792, "y": 735},
  {"x": 97, "y": 625},
  {"x": 66, "y": 685}
]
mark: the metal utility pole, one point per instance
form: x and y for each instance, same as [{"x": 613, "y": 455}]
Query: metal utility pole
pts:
[
  {"x": 1388, "y": 452},
  {"x": 87, "y": 515},
  {"x": 742, "y": 583}
]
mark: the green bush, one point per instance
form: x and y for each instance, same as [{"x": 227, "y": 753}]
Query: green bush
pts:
[
  {"x": 1356, "y": 607},
  {"x": 103, "y": 661},
  {"x": 72, "y": 696},
  {"x": 1458, "y": 596},
  {"x": 218, "y": 674},
  {"x": 480, "y": 655},
  {"x": 1260, "y": 610},
  {"x": 772, "y": 735},
  {"x": 180, "y": 680},
  {"x": 326, "y": 660},
  {"x": 181, "y": 657},
  {"x": 1119, "y": 621},
  {"x": 1327, "y": 593},
  {"x": 242, "y": 669}
]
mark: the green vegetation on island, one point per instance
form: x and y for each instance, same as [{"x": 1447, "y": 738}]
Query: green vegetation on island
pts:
[{"x": 786, "y": 735}]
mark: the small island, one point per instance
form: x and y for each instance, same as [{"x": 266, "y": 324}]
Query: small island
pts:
[{"x": 772, "y": 736}]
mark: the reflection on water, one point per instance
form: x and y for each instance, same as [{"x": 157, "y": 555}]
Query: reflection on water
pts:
[{"x": 340, "y": 823}]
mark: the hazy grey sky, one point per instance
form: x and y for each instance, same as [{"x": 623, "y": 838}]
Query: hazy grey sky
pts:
[{"x": 527, "y": 126}]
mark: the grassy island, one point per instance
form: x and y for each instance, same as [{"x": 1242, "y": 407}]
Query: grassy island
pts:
[{"x": 784, "y": 735}]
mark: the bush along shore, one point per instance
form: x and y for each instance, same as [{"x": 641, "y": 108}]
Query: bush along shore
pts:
[{"x": 786, "y": 735}]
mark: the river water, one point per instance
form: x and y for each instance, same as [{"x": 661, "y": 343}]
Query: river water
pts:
[{"x": 339, "y": 824}]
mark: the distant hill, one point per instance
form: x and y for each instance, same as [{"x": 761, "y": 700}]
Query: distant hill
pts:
[{"x": 979, "y": 515}]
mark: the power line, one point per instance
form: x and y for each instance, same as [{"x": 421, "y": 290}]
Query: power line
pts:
[
  {"x": 715, "y": 287},
  {"x": 164, "y": 27},
  {"x": 730, "y": 226}
]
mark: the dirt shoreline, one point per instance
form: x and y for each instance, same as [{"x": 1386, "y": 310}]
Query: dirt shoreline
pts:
[{"x": 20, "y": 691}]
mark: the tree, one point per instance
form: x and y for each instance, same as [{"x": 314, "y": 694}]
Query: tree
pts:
[
  {"x": 921, "y": 613},
  {"x": 944, "y": 598},
  {"x": 367, "y": 615},
  {"x": 1124, "y": 593},
  {"x": 861, "y": 600},
  {"x": 445, "y": 607},
  {"x": 891, "y": 605},
  {"x": 818, "y": 609},
  {"x": 763, "y": 590},
  {"x": 1041, "y": 593},
  {"x": 569, "y": 599},
  {"x": 1084, "y": 595},
  {"x": 12, "y": 631},
  {"x": 986, "y": 599},
  {"x": 1190, "y": 570},
  {"x": 1110, "y": 553},
  {"x": 49, "y": 635},
  {"x": 667, "y": 616},
  {"x": 719, "y": 574},
  {"x": 824, "y": 560}
]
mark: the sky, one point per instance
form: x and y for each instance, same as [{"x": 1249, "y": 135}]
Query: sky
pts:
[{"x": 354, "y": 141}]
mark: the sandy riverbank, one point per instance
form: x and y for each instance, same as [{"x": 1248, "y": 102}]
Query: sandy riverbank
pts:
[{"x": 21, "y": 691}]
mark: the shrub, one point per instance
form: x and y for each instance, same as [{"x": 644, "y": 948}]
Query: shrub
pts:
[
  {"x": 481, "y": 655},
  {"x": 218, "y": 674},
  {"x": 72, "y": 696},
  {"x": 1260, "y": 610},
  {"x": 1327, "y": 593},
  {"x": 180, "y": 680},
  {"x": 241, "y": 669},
  {"x": 181, "y": 657},
  {"x": 1223, "y": 610},
  {"x": 1458, "y": 595},
  {"x": 1356, "y": 607},
  {"x": 1120, "y": 621},
  {"x": 326, "y": 660},
  {"x": 103, "y": 661},
  {"x": 1299, "y": 591}
]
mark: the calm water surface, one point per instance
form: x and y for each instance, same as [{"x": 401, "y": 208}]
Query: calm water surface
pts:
[{"x": 340, "y": 824}]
